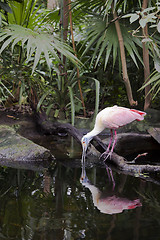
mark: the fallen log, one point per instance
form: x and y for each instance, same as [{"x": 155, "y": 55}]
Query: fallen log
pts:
[
  {"x": 97, "y": 146},
  {"x": 48, "y": 127},
  {"x": 126, "y": 166}
]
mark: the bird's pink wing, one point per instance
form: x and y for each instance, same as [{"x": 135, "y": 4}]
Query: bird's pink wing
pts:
[
  {"x": 141, "y": 114},
  {"x": 120, "y": 116}
]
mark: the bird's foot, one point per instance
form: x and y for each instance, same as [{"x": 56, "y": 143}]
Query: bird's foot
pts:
[{"x": 104, "y": 156}]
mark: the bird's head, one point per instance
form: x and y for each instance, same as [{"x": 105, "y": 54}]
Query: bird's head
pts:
[{"x": 85, "y": 142}]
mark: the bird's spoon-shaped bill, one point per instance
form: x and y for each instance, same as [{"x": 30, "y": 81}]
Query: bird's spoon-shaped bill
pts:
[{"x": 83, "y": 155}]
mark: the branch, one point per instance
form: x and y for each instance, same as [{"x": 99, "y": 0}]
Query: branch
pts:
[
  {"x": 122, "y": 165},
  {"x": 146, "y": 62},
  {"x": 123, "y": 60}
]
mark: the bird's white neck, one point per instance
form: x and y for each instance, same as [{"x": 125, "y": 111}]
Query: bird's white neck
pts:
[
  {"x": 96, "y": 193},
  {"x": 94, "y": 132}
]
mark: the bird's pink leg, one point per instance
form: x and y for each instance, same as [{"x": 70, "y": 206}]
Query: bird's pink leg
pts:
[
  {"x": 110, "y": 153},
  {"x": 114, "y": 142},
  {"x": 110, "y": 142},
  {"x": 107, "y": 151}
]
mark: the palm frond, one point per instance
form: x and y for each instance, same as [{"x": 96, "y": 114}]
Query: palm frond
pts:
[
  {"x": 37, "y": 45},
  {"x": 87, "y": 6},
  {"x": 104, "y": 40},
  {"x": 154, "y": 82}
]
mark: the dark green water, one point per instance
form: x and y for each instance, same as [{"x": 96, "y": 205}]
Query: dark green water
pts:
[{"x": 55, "y": 204}]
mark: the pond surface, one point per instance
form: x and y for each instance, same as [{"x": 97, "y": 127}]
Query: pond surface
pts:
[
  {"x": 60, "y": 202},
  {"x": 63, "y": 203}
]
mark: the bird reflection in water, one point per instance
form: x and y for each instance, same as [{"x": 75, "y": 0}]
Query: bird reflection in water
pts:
[
  {"x": 108, "y": 203},
  {"x": 108, "y": 169}
]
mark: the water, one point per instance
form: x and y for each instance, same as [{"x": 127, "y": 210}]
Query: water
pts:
[{"x": 56, "y": 203}]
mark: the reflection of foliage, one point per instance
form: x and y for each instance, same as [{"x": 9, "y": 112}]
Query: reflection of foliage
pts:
[
  {"x": 151, "y": 199},
  {"x": 152, "y": 204}
]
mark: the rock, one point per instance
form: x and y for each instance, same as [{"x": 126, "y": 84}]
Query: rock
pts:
[{"x": 16, "y": 148}]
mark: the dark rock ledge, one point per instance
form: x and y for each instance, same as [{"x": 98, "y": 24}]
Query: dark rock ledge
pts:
[{"x": 15, "y": 148}]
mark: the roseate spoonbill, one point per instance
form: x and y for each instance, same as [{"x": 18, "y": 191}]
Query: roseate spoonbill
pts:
[{"x": 112, "y": 118}]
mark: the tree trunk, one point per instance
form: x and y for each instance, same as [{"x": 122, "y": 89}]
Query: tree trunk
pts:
[
  {"x": 146, "y": 63},
  {"x": 65, "y": 19},
  {"x": 74, "y": 48},
  {"x": 64, "y": 12},
  {"x": 123, "y": 59}
]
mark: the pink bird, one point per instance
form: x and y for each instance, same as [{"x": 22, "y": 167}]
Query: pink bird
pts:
[{"x": 112, "y": 118}]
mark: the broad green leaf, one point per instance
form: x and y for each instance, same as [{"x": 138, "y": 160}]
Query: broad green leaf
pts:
[
  {"x": 158, "y": 27},
  {"x": 97, "y": 86},
  {"x": 38, "y": 52},
  {"x": 15, "y": 41},
  {"x": 6, "y": 89},
  {"x": 128, "y": 15},
  {"x": 133, "y": 18},
  {"x": 148, "y": 9},
  {"x": 72, "y": 105},
  {"x": 49, "y": 109},
  {"x": 6, "y": 43},
  {"x": 142, "y": 22},
  {"x": 22, "y": 89},
  {"x": 157, "y": 64},
  {"x": 99, "y": 42},
  {"x": 108, "y": 51},
  {"x": 97, "y": 89},
  {"x": 37, "y": 45},
  {"x": 42, "y": 99},
  {"x": 131, "y": 53},
  {"x": 99, "y": 37}
]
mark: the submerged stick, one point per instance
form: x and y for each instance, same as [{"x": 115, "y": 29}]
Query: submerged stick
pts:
[{"x": 121, "y": 163}]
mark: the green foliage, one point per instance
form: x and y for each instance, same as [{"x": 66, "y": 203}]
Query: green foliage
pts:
[
  {"x": 150, "y": 16},
  {"x": 72, "y": 105},
  {"x": 105, "y": 42},
  {"x": 4, "y": 6},
  {"x": 24, "y": 14},
  {"x": 32, "y": 54},
  {"x": 4, "y": 92},
  {"x": 36, "y": 44},
  {"x": 154, "y": 81},
  {"x": 30, "y": 47}
]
